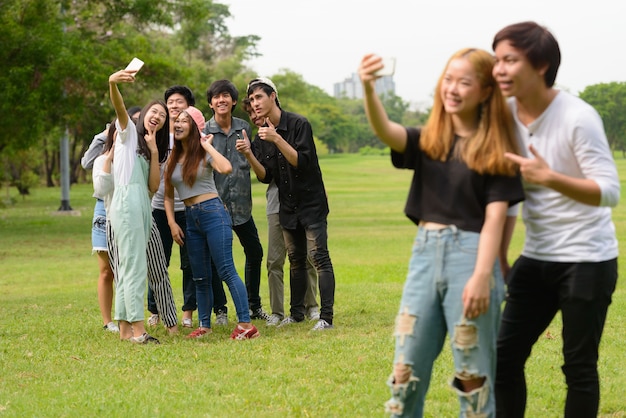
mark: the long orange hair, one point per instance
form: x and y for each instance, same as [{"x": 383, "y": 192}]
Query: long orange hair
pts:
[{"x": 484, "y": 151}]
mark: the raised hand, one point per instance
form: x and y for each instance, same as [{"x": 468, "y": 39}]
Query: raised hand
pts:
[
  {"x": 110, "y": 153},
  {"x": 243, "y": 144},
  {"x": 370, "y": 63},
  {"x": 207, "y": 141},
  {"x": 533, "y": 170},
  {"x": 150, "y": 138},
  {"x": 122, "y": 76},
  {"x": 268, "y": 133}
]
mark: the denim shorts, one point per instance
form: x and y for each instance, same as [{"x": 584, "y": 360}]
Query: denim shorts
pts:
[{"x": 98, "y": 228}]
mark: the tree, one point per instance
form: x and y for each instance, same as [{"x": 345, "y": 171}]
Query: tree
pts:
[
  {"x": 609, "y": 99},
  {"x": 57, "y": 56}
]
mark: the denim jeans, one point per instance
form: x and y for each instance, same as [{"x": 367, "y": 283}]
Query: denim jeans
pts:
[
  {"x": 210, "y": 237},
  {"x": 189, "y": 289},
  {"x": 311, "y": 240},
  {"x": 249, "y": 239},
  {"x": 442, "y": 261},
  {"x": 537, "y": 290},
  {"x": 98, "y": 228}
]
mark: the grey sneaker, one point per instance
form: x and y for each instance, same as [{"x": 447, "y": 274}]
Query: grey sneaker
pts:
[
  {"x": 287, "y": 321},
  {"x": 322, "y": 325},
  {"x": 313, "y": 313},
  {"x": 221, "y": 318},
  {"x": 145, "y": 338},
  {"x": 111, "y": 327},
  {"x": 153, "y": 320},
  {"x": 259, "y": 313},
  {"x": 273, "y": 321}
]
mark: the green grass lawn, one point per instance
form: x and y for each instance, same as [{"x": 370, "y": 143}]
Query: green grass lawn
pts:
[{"x": 55, "y": 359}]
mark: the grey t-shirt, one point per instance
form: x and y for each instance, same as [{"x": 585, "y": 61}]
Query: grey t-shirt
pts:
[{"x": 204, "y": 181}]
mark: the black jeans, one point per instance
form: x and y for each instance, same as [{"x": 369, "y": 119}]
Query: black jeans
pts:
[
  {"x": 249, "y": 238},
  {"x": 189, "y": 288},
  {"x": 311, "y": 240},
  {"x": 537, "y": 290}
]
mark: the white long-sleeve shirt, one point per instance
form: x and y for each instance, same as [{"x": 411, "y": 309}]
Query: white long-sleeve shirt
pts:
[
  {"x": 103, "y": 185},
  {"x": 570, "y": 136}
]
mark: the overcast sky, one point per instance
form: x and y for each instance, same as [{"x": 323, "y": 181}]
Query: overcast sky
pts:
[{"x": 324, "y": 40}]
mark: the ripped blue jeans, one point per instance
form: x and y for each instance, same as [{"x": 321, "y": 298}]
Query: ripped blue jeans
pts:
[{"x": 442, "y": 261}]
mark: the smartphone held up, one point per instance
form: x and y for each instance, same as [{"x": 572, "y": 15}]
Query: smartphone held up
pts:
[
  {"x": 134, "y": 65},
  {"x": 389, "y": 67}
]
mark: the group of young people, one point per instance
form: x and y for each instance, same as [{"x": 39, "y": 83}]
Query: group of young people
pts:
[
  {"x": 199, "y": 173},
  {"x": 499, "y": 133}
]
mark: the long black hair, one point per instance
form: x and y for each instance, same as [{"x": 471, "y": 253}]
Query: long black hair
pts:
[
  {"x": 108, "y": 144},
  {"x": 162, "y": 135}
]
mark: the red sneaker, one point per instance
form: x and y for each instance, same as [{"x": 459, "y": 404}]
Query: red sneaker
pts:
[
  {"x": 240, "y": 333},
  {"x": 199, "y": 333}
]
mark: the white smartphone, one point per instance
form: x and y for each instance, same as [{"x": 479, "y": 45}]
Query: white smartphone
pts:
[
  {"x": 389, "y": 67},
  {"x": 134, "y": 65}
]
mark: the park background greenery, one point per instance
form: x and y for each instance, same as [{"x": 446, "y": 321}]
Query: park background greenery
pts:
[
  {"x": 56, "y": 57},
  {"x": 55, "y": 60},
  {"x": 57, "y": 361}
]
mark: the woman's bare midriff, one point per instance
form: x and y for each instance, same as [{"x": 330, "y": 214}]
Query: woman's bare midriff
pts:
[
  {"x": 432, "y": 225},
  {"x": 199, "y": 199}
]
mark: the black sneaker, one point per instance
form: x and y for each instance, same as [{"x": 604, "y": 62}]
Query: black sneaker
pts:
[{"x": 259, "y": 313}]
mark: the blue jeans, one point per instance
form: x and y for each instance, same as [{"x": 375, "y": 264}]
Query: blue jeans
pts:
[
  {"x": 442, "y": 261},
  {"x": 189, "y": 289},
  {"x": 311, "y": 240},
  {"x": 249, "y": 239},
  {"x": 210, "y": 237},
  {"x": 537, "y": 291}
]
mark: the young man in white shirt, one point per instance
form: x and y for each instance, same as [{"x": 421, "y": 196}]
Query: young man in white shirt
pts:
[{"x": 569, "y": 260}]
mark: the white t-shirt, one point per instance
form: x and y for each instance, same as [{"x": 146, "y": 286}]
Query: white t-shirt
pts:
[
  {"x": 125, "y": 153},
  {"x": 102, "y": 182},
  {"x": 570, "y": 136}
]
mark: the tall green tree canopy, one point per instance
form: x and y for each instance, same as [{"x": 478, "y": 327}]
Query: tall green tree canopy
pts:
[{"x": 609, "y": 99}]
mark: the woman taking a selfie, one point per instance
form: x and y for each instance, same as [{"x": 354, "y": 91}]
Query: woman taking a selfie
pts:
[{"x": 462, "y": 187}]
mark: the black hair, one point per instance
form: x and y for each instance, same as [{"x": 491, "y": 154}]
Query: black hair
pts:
[
  {"x": 132, "y": 110},
  {"x": 162, "y": 135},
  {"x": 183, "y": 91},
  {"x": 108, "y": 143},
  {"x": 223, "y": 86},
  {"x": 254, "y": 86},
  {"x": 537, "y": 43}
]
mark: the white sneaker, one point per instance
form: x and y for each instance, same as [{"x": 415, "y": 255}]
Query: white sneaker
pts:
[
  {"x": 111, "y": 327},
  {"x": 273, "y": 320},
  {"x": 322, "y": 326},
  {"x": 313, "y": 313},
  {"x": 221, "y": 318},
  {"x": 153, "y": 320},
  {"x": 287, "y": 321},
  {"x": 144, "y": 338}
]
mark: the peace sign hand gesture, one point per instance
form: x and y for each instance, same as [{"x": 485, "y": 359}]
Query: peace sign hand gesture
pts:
[
  {"x": 150, "y": 138},
  {"x": 534, "y": 170}
]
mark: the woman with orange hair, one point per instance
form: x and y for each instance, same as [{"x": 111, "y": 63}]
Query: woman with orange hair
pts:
[{"x": 459, "y": 197}]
